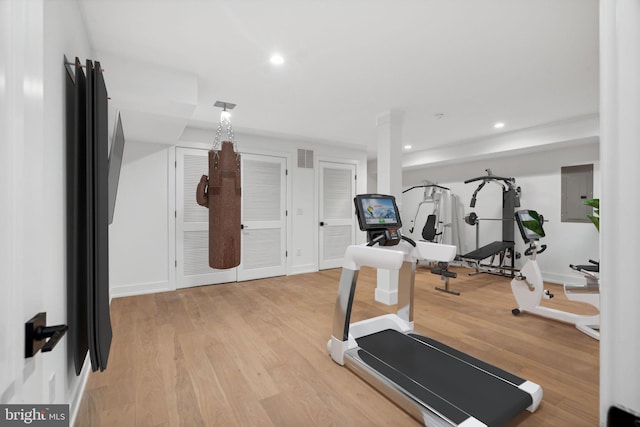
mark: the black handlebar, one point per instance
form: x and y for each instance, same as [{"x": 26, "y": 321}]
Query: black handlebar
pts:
[
  {"x": 539, "y": 250},
  {"x": 508, "y": 184},
  {"x": 490, "y": 178},
  {"x": 426, "y": 186},
  {"x": 408, "y": 239},
  {"x": 381, "y": 238}
]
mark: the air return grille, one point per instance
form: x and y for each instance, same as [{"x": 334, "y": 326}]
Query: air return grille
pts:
[{"x": 305, "y": 158}]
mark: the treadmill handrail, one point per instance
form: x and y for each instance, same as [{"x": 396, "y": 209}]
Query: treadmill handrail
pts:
[
  {"x": 392, "y": 257},
  {"x": 357, "y": 256},
  {"x": 430, "y": 251}
]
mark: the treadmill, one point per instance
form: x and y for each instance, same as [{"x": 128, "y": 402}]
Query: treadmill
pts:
[{"x": 437, "y": 384}]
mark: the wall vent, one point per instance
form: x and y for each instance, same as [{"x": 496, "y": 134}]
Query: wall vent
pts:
[{"x": 305, "y": 158}]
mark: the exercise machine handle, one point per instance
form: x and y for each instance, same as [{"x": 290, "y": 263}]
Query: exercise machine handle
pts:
[
  {"x": 490, "y": 177},
  {"x": 410, "y": 240},
  {"x": 538, "y": 250},
  {"x": 426, "y": 186}
]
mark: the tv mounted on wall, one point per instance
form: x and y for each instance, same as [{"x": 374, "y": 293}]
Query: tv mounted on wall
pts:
[{"x": 115, "y": 163}]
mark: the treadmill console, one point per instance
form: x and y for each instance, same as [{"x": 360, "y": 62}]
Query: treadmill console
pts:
[
  {"x": 530, "y": 225},
  {"x": 378, "y": 215}
]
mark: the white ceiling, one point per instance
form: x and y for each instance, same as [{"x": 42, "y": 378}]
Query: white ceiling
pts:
[{"x": 522, "y": 62}]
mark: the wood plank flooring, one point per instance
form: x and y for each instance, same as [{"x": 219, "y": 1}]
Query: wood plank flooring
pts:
[{"x": 254, "y": 354}]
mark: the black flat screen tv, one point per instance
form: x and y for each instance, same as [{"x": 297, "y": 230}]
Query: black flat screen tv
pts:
[{"x": 115, "y": 163}]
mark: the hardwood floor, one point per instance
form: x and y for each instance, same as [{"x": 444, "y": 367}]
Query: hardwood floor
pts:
[{"x": 254, "y": 354}]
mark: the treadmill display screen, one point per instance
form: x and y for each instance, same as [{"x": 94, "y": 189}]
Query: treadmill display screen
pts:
[
  {"x": 377, "y": 211},
  {"x": 530, "y": 225}
]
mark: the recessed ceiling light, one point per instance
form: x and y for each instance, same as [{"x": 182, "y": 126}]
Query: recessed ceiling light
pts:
[
  {"x": 407, "y": 147},
  {"x": 277, "y": 59},
  {"x": 499, "y": 125}
]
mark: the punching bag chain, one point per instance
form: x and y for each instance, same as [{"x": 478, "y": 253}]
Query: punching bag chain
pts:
[{"x": 216, "y": 141}]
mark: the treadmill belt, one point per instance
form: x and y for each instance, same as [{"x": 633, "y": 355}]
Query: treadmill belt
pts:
[
  {"x": 441, "y": 379},
  {"x": 477, "y": 362}
]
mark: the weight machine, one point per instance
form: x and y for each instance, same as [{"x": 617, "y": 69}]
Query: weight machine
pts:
[
  {"x": 438, "y": 225},
  {"x": 503, "y": 250}
]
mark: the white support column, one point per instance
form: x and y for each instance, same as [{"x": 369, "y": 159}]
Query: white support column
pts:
[
  {"x": 389, "y": 125},
  {"x": 620, "y": 230}
]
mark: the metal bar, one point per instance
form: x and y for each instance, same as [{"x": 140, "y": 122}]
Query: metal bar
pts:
[
  {"x": 344, "y": 302},
  {"x": 426, "y": 186}
]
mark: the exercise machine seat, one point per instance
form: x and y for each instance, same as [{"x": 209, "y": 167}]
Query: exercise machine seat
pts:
[{"x": 489, "y": 250}]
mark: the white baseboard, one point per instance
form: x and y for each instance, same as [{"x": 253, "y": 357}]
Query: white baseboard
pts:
[
  {"x": 140, "y": 289},
  {"x": 302, "y": 269},
  {"x": 76, "y": 397}
]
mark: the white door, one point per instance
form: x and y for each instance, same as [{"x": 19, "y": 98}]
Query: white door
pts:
[
  {"x": 264, "y": 233},
  {"x": 31, "y": 220},
  {"x": 192, "y": 224},
  {"x": 336, "y": 212}
]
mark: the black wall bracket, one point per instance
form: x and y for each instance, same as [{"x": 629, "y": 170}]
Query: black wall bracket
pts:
[{"x": 37, "y": 332}]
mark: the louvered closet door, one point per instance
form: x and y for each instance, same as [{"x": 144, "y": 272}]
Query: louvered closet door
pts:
[
  {"x": 192, "y": 224},
  {"x": 263, "y": 217},
  {"x": 337, "y": 186}
]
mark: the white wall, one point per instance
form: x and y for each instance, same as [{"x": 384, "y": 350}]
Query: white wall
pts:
[
  {"x": 538, "y": 174},
  {"x": 138, "y": 237},
  {"x": 35, "y": 35},
  {"x": 141, "y": 236}
]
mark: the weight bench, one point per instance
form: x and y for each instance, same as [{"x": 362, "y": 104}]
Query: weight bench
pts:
[{"x": 491, "y": 251}]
